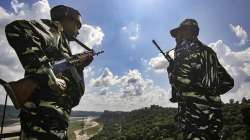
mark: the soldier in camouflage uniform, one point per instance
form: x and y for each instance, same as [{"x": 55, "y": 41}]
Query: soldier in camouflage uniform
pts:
[
  {"x": 198, "y": 79},
  {"x": 46, "y": 114}
]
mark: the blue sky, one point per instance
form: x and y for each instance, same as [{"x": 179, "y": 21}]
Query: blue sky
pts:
[
  {"x": 156, "y": 18},
  {"x": 129, "y": 26}
]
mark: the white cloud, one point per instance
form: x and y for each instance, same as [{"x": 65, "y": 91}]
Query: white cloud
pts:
[
  {"x": 40, "y": 9},
  {"x": 17, "y": 7},
  {"x": 134, "y": 36},
  {"x": 232, "y": 60},
  {"x": 91, "y": 36},
  {"x": 124, "y": 28},
  {"x": 104, "y": 91},
  {"x": 132, "y": 30},
  {"x": 242, "y": 91},
  {"x": 2, "y": 97},
  {"x": 237, "y": 64},
  {"x": 133, "y": 84},
  {"x": 240, "y": 33},
  {"x": 129, "y": 91},
  {"x": 105, "y": 79},
  {"x": 3, "y": 13},
  {"x": 159, "y": 64},
  {"x": 130, "y": 84}
]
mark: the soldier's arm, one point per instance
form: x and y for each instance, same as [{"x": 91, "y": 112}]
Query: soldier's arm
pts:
[
  {"x": 226, "y": 82},
  {"x": 209, "y": 76},
  {"x": 27, "y": 45},
  {"x": 215, "y": 77}
]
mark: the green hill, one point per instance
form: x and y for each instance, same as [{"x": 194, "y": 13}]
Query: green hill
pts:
[
  {"x": 157, "y": 123},
  {"x": 154, "y": 123},
  {"x": 151, "y": 123}
]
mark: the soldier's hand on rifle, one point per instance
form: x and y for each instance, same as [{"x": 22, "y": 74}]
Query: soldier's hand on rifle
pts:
[
  {"x": 170, "y": 61},
  {"x": 59, "y": 86},
  {"x": 86, "y": 58}
]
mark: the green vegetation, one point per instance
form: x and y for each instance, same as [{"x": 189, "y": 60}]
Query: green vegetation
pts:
[
  {"x": 154, "y": 123},
  {"x": 233, "y": 120},
  {"x": 157, "y": 123}
]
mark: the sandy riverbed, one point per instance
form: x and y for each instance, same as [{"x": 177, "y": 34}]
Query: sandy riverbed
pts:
[{"x": 89, "y": 123}]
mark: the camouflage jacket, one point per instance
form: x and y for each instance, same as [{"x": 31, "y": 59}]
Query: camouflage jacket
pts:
[
  {"x": 197, "y": 75},
  {"x": 37, "y": 43}
]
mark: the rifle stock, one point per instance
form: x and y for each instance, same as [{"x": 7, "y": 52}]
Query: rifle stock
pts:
[{"x": 20, "y": 91}]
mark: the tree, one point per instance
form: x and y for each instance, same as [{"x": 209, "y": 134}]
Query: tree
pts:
[
  {"x": 244, "y": 100},
  {"x": 231, "y": 101}
]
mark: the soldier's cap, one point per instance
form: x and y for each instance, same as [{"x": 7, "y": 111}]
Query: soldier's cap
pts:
[
  {"x": 186, "y": 25},
  {"x": 61, "y": 11}
]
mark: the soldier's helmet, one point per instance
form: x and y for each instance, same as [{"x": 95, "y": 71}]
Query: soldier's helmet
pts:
[
  {"x": 189, "y": 25},
  {"x": 61, "y": 11}
]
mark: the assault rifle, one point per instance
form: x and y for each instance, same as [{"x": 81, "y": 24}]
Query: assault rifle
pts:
[
  {"x": 20, "y": 91},
  {"x": 170, "y": 60}
]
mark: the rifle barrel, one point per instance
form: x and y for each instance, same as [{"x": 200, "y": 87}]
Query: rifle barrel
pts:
[
  {"x": 97, "y": 53},
  {"x": 81, "y": 44},
  {"x": 158, "y": 47},
  {"x": 166, "y": 55},
  {"x": 87, "y": 48}
]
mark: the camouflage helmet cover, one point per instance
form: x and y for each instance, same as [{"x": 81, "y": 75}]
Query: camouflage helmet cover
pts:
[
  {"x": 61, "y": 11},
  {"x": 186, "y": 25}
]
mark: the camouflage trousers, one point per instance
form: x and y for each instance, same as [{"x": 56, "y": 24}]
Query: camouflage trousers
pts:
[
  {"x": 41, "y": 126},
  {"x": 246, "y": 119},
  {"x": 199, "y": 121}
]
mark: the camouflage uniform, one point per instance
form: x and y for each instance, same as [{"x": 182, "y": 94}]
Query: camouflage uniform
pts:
[
  {"x": 245, "y": 110},
  {"x": 198, "y": 80},
  {"x": 46, "y": 115}
]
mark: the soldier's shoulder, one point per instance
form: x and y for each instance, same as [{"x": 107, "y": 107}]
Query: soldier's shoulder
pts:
[
  {"x": 54, "y": 25},
  {"x": 20, "y": 25},
  {"x": 206, "y": 49}
]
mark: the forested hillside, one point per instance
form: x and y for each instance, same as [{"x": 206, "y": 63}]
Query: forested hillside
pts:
[{"x": 157, "y": 123}]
